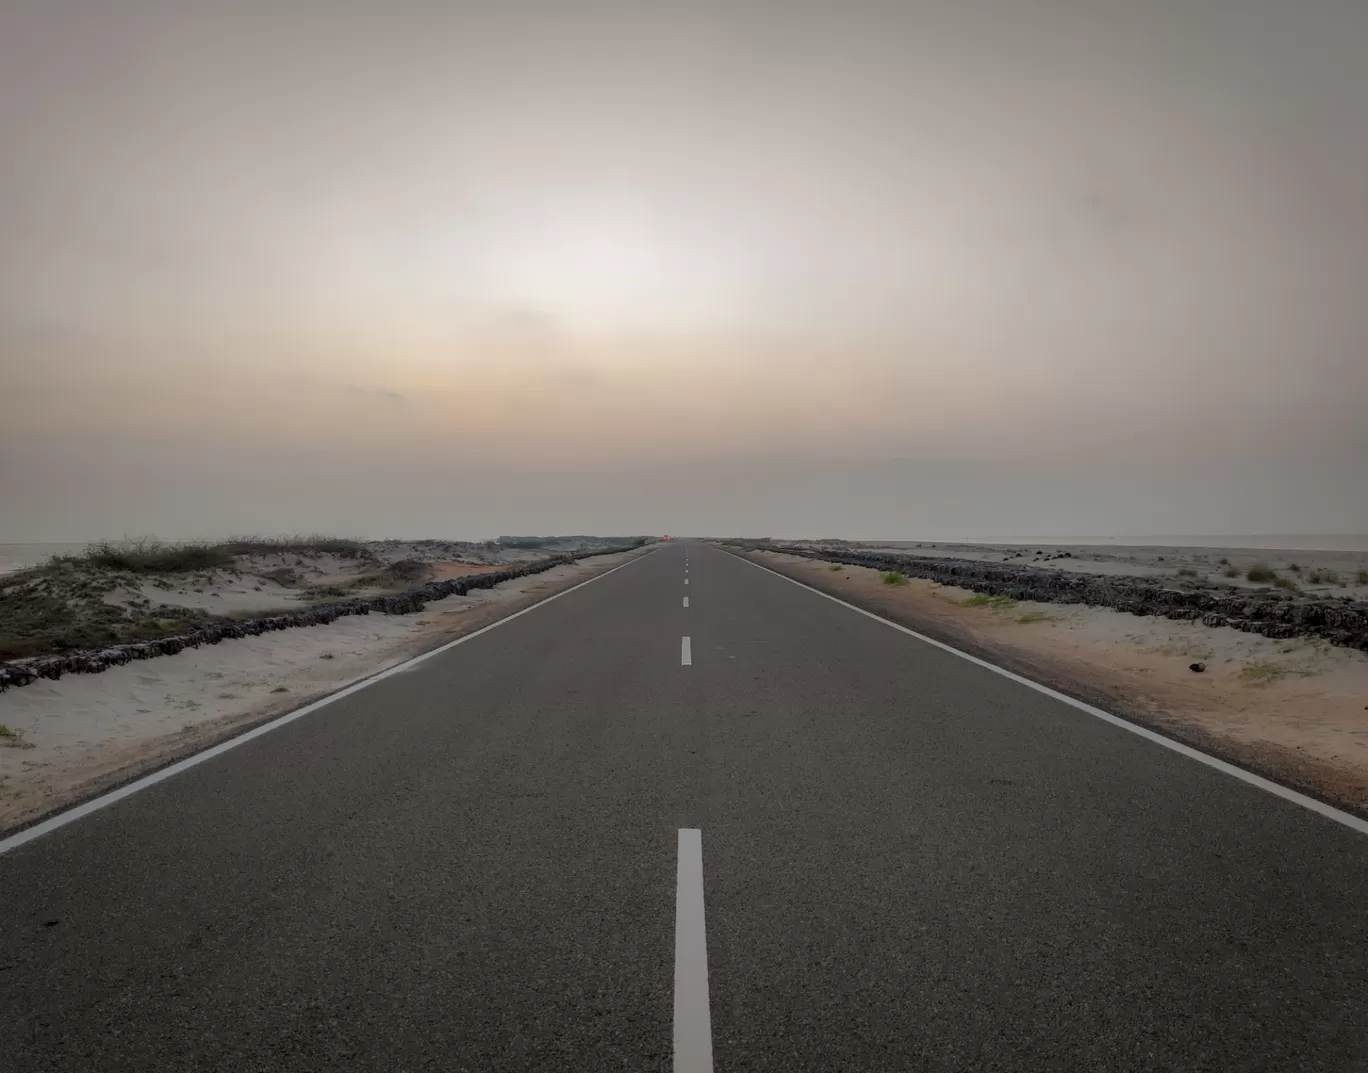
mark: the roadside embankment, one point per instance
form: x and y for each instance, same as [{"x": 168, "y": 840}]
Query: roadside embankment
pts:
[{"x": 1292, "y": 708}]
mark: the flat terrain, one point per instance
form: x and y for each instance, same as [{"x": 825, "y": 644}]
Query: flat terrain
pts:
[
  {"x": 909, "y": 863},
  {"x": 1315, "y": 572}
]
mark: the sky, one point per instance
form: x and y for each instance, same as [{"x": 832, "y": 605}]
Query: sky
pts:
[{"x": 906, "y": 270}]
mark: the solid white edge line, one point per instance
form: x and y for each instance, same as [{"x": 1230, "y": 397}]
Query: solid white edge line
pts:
[
  {"x": 61, "y": 819},
  {"x": 1268, "y": 785},
  {"x": 692, "y": 1019},
  {"x": 685, "y": 653}
]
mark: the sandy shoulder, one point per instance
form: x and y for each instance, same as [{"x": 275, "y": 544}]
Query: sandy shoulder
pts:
[
  {"x": 88, "y": 732},
  {"x": 1294, "y": 710}
]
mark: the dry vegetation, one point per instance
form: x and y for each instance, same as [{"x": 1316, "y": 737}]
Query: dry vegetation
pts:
[{"x": 64, "y": 605}]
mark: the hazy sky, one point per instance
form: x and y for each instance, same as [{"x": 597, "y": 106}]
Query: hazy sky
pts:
[{"x": 917, "y": 269}]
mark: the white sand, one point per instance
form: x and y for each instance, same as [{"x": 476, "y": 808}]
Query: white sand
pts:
[{"x": 1158, "y": 561}]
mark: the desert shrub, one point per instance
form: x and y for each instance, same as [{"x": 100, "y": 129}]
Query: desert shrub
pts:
[
  {"x": 1262, "y": 672},
  {"x": 1261, "y": 572},
  {"x": 153, "y": 557},
  {"x": 982, "y": 599},
  {"x": 894, "y": 577}
]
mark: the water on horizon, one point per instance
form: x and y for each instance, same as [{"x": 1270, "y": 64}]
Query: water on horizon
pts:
[
  {"x": 1266, "y": 542},
  {"x": 21, "y": 556}
]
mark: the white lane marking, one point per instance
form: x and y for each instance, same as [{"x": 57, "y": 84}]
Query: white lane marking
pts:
[
  {"x": 686, "y": 601},
  {"x": 686, "y": 581},
  {"x": 685, "y": 653},
  {"x": 1268, "y": 785},
  {"x": 14, "y": 841},
  {"x": 692, "y": 1020}
]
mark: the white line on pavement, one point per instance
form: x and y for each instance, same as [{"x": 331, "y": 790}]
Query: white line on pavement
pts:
[
  {"x": 685, "y": 654},
  {"x": 692, "y": 1021},
  {"x": 14, "y": 841},
  {"x": 686, "y": 601},
  {"x": 1328, "y": 811},
  {"x": 686, "y": 581}
]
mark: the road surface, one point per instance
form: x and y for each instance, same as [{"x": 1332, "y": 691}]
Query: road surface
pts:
[{"x": 507, "y": 857}]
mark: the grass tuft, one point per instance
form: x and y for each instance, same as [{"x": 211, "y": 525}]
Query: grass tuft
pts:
[
  {"x": 835, "y": 568},
  {"x": 982, "y": 599},
  {"x": 1230, "y": 571},
  {"x": 1027, "y": 617},
  {"x": 894, "y": 577},
  {"x": 1187, "y": 571},
  {"x": 1262, "y": 672},
  {"x": 1261, "y": 572},
  {"x": 1361, "y": 577}
]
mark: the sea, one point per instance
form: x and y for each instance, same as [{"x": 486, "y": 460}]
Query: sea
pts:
[
  {"x": 1264, "y": 542},
  {"x": 20, "y": 556}
]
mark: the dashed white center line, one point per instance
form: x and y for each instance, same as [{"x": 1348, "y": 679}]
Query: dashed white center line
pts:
[
  {"x": 686, "y": 601},
  {"x": 686, "y": 581},
  {"x": 692, "y": 1022},
  {"x": 685, "y": 654}
]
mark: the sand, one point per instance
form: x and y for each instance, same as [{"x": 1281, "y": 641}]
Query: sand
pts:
[
  {"x": 1295, "y": 710},
  {"x": 1209, "y": 563},
  {"x": 85, "y": 733}
]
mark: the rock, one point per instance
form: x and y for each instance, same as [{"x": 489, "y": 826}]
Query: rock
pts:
[{"x": 1198, "y": 667}]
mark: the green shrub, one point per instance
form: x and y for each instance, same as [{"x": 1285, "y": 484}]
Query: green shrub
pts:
[
  {"x": 1285, "y": 583},
  {"x": 1187, "y": 571},
  {"x": 1361, "y": 577},
  {"x": 1230, "y": 571},
  {"x": 1262, "y": 672},
  {"x": 982, "y": 599},
  {"x": 835, "y": 568},
  {"x": 894, "y": 577},
  {"x": 1261, "y": 572}
]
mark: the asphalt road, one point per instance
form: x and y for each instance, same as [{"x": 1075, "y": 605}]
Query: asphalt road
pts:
[{"x": 909, "y": 863}]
